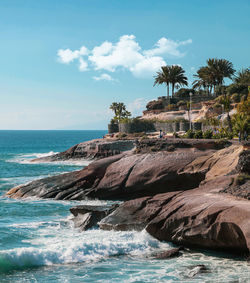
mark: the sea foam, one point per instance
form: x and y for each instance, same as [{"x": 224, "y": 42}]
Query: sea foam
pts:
[
  {"x": 29, "y": 159},
  {"x": 69, "y": 246}
]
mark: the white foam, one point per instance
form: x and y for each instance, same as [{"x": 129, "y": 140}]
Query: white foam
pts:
[
  {"x": 69, "y": 246},
  {"x": 29, "y": 159},
  {"x": 78, "y": 162},
  {"x": 26, "y": 158}
]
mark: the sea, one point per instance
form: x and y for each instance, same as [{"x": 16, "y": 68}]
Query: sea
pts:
[{"x": 38, "y": 242}]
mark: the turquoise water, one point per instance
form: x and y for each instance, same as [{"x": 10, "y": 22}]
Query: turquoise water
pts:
[{"x": 38, "y": 242}]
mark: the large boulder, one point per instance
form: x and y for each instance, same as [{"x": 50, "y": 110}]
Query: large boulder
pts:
[
  {"x": 127, "y": 176},
  {"x": 123, "y": 177},
  {"x": 200, "y": 217}
]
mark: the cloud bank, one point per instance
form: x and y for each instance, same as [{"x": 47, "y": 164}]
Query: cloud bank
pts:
[{"x": 125, "y": 54}]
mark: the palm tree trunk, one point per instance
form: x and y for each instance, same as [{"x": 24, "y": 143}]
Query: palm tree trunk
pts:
[
  {"x": 168, "y": 93},
  {"x": 173, "y": 84}
]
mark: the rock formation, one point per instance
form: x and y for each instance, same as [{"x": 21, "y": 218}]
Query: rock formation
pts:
[
  {"x": 184, "y": 196},
  {"x": 94, "y": 149},
  {"x": 87, "y": 216}
]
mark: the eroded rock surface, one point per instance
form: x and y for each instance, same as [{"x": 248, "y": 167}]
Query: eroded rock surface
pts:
[
  {"x": 94, "y": 149},
  {"x": 197, "y": 218},
  {"x": 123, "y": 176},
  {"x": 87, "y": 216},
  {"x": 179, "y": 196}
]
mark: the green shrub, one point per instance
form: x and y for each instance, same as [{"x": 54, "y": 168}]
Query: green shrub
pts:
[
  {"x": 217, "y": 136},
  {"x": 208, "y": 134},
  {"x": 190, "y": 134},
  {"x": 217, "y": 105},
  {"x": 220, "y": 143},
  {"x": 171, "y": 107},
  {"x": 235, "y": 97},
  {"x": 243, "y": 98},
  {"x": 176, "y": 135},
  {"x": 237, "y": 88},
  {"x": 184, "y": 92},
  {"x": 198, "y": 134},
  {"x": 181, "y": 103}
]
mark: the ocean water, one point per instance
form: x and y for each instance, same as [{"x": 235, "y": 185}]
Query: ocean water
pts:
[{"x": 38, "y": 242}]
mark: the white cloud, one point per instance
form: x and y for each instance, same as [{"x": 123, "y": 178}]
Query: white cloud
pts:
[
  {"x": 137, "y": 106},
  {"x": 168, "y": 47},
  {"x": 103, "y": 77},
  {"x": 124, "y": 54},
  {"x": 83, "y": 65},
  {"x": 147, "y": 67},
  {"x": 66, "y": 55}
]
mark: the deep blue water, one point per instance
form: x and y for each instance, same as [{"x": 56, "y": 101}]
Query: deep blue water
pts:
[{"x": 38, "y": 242}]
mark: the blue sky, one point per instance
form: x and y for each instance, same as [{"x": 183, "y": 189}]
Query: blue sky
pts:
[{"x": 63, "y": 62}]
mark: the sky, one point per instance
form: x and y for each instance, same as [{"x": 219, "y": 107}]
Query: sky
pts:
[{"x": 63, "y": 62}]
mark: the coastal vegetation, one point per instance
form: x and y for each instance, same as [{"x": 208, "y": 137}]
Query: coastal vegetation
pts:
[
  {"x": 120, "y": 111},
  {"x": 171, "y": 75}
]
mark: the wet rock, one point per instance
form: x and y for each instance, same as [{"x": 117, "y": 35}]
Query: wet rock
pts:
[
  {"x": 197, "y": 269},
  {"x": 87, "y": 216},
  {"x": 196, "y": 218},
  {"x": 169, "y": 253},
  {"x": 135, "y": 214}
]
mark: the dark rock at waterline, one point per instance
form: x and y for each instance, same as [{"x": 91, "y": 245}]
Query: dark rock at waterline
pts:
[
  {"x": 197, "y": 269},
  {"x": 169, "y": 254},
  {"x": 87, "y": 216},
  {"x": 124, "y": 176},
  {"x": 136, "y": 214},
  {"x": 196, "y": 218}
]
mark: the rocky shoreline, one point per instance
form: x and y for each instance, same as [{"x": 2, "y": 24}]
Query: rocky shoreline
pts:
[
  {"x": 90, "y": 150},
  {"x": 185, "y": 192}
]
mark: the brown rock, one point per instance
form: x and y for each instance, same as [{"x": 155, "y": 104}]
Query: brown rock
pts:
[
  {"x": 169, "y": 253},
  {"x": 94, "y": 149},
  {"x": 197, "y": 218},
  {"x": 87, "y": 216}
]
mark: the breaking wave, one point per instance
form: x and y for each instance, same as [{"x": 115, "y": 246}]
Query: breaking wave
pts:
[
  {"x": 29, "y": 159},
  {"x": 74, "y": 247}
]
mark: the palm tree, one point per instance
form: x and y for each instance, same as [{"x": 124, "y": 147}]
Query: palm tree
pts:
[
  {"x": 205, "y": 79},
  {"x": 120, "y": 111},
  {"x": 162, "y": 77},
  {"x": 177, "y": 77},
  {"x": 213, "y": 74},
  {"x": 221, "y": 68},
  {"x": 241, "y": 123},
  {"x": 243, "y": 77}
]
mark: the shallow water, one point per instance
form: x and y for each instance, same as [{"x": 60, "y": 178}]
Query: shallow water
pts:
[{"x": 38, "y": 242}]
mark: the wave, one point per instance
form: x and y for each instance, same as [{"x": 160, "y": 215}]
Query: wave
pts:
[
  {"x": 65, "y": 248},
  {"x": 27, "y": 159}
]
